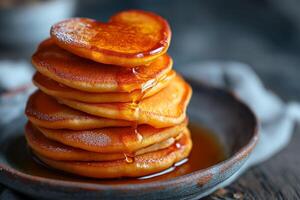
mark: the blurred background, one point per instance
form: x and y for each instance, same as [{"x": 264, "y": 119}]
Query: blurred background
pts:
[{"x": 262, "y": 33}]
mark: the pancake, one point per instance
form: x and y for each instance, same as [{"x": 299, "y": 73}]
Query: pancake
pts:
[
  {"x": 165, "y": 108},
  {"x": 56, "y": 89},
  {"x": 86, "y": 75},
  {"x": 113, "y": 139},
  {"x": 142, "y": 165},
  {"x": 58, "y": 151},
  {"x": 130, "y": 38},
  {"x": 43, "y": 110}
]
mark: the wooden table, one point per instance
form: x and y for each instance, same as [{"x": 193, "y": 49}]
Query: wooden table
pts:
[{"x": 277, "y": 178}]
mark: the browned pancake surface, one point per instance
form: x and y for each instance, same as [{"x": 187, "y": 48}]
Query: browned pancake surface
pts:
[
  {"x": 56, "y": 89},
  {"x": 45, "y": 111},
  {"x": 86, "y": 75},
  {"x": 58, "y": 151},
  {"x": 165, "y": 108},
  {"x": 113, "y": 139},
  {"x": 130, "y": 38},
  {"x": 142, "y": 165}
]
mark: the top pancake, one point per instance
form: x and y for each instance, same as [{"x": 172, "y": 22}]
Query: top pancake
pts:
[
  {"x": 129, "y": 39},
  {"x": 86, "y": 75}
]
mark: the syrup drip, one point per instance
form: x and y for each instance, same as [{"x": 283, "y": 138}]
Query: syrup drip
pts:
[
  {"x": 134, "y": 105},
  {"x": 62, "y": 85},
  {"x": 178, "y": 145},
  {"x": 129, "y": 158},
  {"x": 138, "y": 135},
  {"x": 140, "y": 95}
]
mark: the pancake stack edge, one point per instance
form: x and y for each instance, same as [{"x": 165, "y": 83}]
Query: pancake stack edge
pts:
[{"x": 102, "y": 120}]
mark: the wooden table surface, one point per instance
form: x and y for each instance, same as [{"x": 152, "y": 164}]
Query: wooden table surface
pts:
[{"x": 277, "y": 178}]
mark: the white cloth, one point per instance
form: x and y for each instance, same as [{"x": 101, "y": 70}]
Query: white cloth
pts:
[
  {"x": 277, "y": 118},
  {"x": 15, "y": 86}
]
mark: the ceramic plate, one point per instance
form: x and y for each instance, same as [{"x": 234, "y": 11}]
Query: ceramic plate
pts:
[{"x": 231, "y": 121}]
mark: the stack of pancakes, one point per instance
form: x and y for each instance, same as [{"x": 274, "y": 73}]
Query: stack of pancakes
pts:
[{"x": 109, "y": 104}]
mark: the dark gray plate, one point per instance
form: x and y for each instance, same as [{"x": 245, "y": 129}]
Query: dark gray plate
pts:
[{"x": 232, "y": 122}]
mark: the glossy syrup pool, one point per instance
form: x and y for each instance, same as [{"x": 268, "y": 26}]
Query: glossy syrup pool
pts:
[{"x": 206, "y": 152}]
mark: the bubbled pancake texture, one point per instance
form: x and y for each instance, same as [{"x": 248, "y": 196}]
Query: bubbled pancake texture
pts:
[{"x": 104, "y": 120}]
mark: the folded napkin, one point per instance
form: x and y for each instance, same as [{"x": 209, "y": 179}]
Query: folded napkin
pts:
[
  {"x": 15, "y": 87},
  {"x": 277, "y": 118}
]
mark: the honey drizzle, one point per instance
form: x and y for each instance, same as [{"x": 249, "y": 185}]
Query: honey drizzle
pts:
[
  {"x": 128, "y": 158},
  {"x": 135, "y": 105}
]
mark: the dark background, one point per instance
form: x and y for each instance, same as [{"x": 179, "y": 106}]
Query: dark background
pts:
[{"x": 262, "y": 33}]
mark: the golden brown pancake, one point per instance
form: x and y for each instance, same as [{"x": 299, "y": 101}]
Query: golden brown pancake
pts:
[
  {"x": 142, "y": 165},
  {"x": 86, "y": 75},
  {"x": 56, "y": 89},
  {"x": 113, "y": 139},
  {"x": 43, "y": 110},
  {"x": 130, "y": 38},
  {"x": 58, "y": 151},
  {"x": 165, "y": 108}
]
